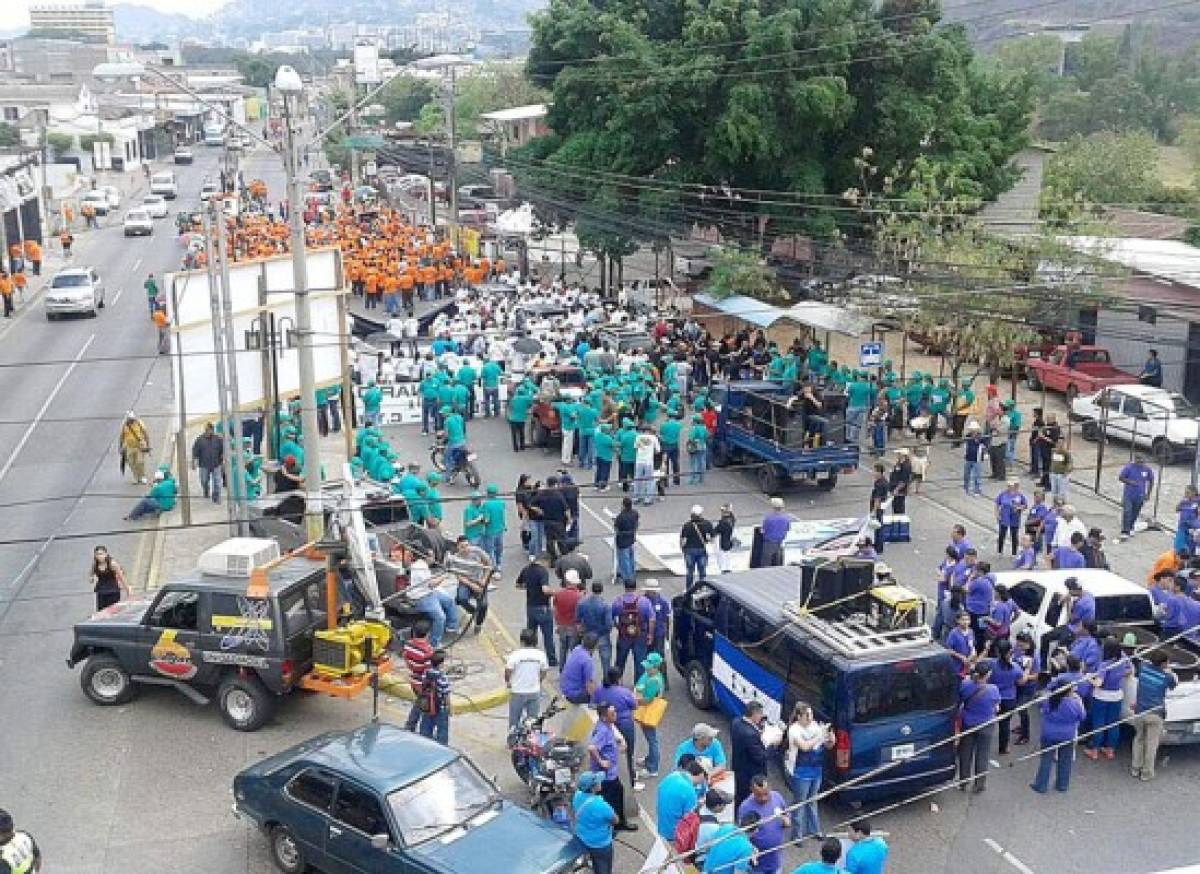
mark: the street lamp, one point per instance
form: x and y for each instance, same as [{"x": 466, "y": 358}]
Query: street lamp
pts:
[{"x": 290, "y": 88}]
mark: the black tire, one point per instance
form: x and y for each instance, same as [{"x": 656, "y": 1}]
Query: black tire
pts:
[
  {"x": 286, "y": 852},
  {"x": 1162, "y": 451},
  {"x": 1090, "y": 431},
  {"x": 698, "y": 682},
  {"x": 438, "y": 459},
  {"x": 827, "y": 484},
  {"x": 721, "y": 455},
  {"x": 105, "y": 681},
  {"x": 471, "y": 472},
  {"x": 768, "y": 478},
  {"x": 245, "y": 703},
  {"x": 1032, "y": 381}
]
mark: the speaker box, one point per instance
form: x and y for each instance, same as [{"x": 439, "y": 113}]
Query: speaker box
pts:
[{"x": 835, "y": 581}]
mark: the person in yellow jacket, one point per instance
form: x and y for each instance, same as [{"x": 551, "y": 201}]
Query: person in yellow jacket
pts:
[
  {"x": 134, "y": 445},
  {"x": 19, "y": 853}
]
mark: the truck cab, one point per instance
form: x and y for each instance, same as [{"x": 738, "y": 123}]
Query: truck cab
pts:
[
  {"x": 760, "y": 422},
  {"x": 1074, "y": 370}
]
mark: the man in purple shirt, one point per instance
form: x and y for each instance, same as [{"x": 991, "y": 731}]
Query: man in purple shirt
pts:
[
  {"x": 958, "y": 540},
  {"x": 575, "y": 679},
  {"x": 1065, "y": 558},
  {"x": 775, "y": 527},
  {"x": 604, "y": 746},
  {"x": 768, "y": 837},
  {"x": 1138, "y": 480}
]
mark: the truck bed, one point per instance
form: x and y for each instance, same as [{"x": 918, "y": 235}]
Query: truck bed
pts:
[{"x": 796, "y": 459}]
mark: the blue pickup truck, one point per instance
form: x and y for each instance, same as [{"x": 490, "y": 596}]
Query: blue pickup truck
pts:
[{"x": 757, "y": 424}]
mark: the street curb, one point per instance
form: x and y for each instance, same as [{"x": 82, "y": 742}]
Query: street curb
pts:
[{"x": 489, "y": 700}]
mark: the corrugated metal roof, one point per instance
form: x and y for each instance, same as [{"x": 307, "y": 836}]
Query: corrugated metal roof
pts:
[
  {"x": 1164, "y": 259},
  {"x": 814, "y": 314}
]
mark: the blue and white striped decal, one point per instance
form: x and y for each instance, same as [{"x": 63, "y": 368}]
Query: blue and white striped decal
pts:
[{"x": 737, "y": 679}]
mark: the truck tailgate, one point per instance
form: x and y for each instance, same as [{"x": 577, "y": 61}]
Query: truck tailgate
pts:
[{"x": 1183, "y": 714}]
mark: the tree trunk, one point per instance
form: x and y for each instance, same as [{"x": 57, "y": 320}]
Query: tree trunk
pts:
[{"x": 602, "y": 260}]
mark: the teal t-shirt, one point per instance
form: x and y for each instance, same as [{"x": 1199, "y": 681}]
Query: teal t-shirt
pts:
[
  {"x": 518, "y": 407},
  {"x": 490, "y": 375},
  {"x": 698, "y": 434},
  {"x": 474, "y": 521},
  {"x": 668, "y": 433},
  {"x": 456, "y": 430},
  {"x": 493, "y": 509},
  {"x": 626, "y": 438},
  {"x": 568, "y": 416},
  {"x": 604, "y": 445},
  {"x": 467, "y": 375},
  {"x": 585, "y": 418}
]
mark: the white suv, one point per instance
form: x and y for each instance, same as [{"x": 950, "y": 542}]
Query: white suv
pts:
[
  {"x": 1162, "y": 421},
  {"x": 73, "y": 291}
]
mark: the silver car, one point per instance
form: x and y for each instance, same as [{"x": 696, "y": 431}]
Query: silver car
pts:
[{"x": 74, "y": 291}]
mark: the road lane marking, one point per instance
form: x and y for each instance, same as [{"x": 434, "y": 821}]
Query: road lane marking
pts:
[
  {"x": 136, "y": 265},
  {"x": 1008, "y": 857},
  {"x": 12, "y": 459},
  {"x": 117, "y": 296}
]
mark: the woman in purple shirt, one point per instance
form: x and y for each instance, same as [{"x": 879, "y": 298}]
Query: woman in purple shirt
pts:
[
  {"x": 980, "y": 588},
  {"x": 624, "y": 702},
  {"x": 1026, "y": 656},
  {"x": 1062, "y": 711},
  {"x": 980, "y": 703},
  {"x": 1005, "y": 675},
  {"x": 1106, "y": 701}
]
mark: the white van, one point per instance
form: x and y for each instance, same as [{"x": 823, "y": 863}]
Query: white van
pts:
[{"x": 164, "y": 183}]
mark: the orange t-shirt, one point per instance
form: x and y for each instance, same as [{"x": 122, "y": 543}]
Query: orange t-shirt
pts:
[
  {"x": 160, "y": 318},
  {"x": 33, "y": 251},
  {"x": 6, "y": 286}
]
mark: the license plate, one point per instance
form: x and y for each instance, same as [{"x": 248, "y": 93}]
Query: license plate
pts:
[
  {"x": 562, "y": 776},
  {"x": 903, "y": 751},
  {"x": 472, "y": 457}
]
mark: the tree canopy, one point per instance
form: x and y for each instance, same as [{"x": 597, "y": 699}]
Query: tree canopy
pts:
[{"x": 750, "y": 114}]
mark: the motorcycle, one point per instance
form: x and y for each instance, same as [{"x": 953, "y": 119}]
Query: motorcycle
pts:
[
  {"x": 547, "y": 764},
  {"x": 466, "y": 462}
]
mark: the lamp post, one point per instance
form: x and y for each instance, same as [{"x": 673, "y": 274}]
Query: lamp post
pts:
[{"x": 289, "y": 86}]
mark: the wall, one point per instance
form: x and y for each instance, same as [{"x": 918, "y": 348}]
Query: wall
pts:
[{"x": 1127, "y": 338}]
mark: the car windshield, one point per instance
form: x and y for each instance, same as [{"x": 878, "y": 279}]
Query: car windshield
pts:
[
  {"x": 901, "y": 688},
  {"x": 152, "y": 199},
  {"x": 71, "y": 280},
  {"x": 1183, "y": 408},
  {"x": 138, "y": 215},
  {"x": 441, "y": 801},
  {"x": 1124, "y": 608}
]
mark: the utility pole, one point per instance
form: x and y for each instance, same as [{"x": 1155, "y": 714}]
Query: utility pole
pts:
[
  {"x": 219, "y": 359},
  {"x": 432, "y": 189},
  {"x": 181, "y": 451},
  {"x": 352, "y": 124},
  {"x": 236, "y": 485},
  {"x": 452, "y": 158},
  {"x": 314, "y": 518}
]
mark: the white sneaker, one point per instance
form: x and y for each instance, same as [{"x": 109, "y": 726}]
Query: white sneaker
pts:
[
  {"x": 638, "y": 786},
  {"x": 142, "y": 481}
]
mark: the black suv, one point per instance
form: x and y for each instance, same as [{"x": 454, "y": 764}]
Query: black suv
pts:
[{"x": 204, "y": 637}]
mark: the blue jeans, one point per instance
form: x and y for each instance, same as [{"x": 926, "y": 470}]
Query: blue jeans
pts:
[
  {"x": 605, "y": 651},
  {"x": 651, "y": 762},
  {"x": 696, "y": 561},
  {"x": 144, "y": 507},
  {"x": 1104, "y": 723},
  {"x": 1064, "y": 756},
  {"x": 442, "y": 613},
  {"x": 697, "y": 467},
  {"x": 855, "y": 416},
  {"x": 429, "y": 415},
  {"x": 537, "y": 538},
  {"x": 972, "y": 477},
  {"x": 493, "y": 545},
  {"x": 603, "y": 467},
  {"x": 643, "y": 483},
  {"x": 210, "y": 483},
  {"x": 671, "y": 464},
  {"x": 806, "y": 820},
  {"x": 1130, "y": 509},
  {"x": 1010, "y": 451},
  {"x": 626, "y": 565},
  {"x": 541, "y": 619},
  {"x": 879, "y": 437},
  {"x": 586, "y": 446},
  {"x": 437, "y": 726},
  {"x": 491, "y": 402},
  {"x": 391, "y": 304},
  {"x": 627, "y": 647}
]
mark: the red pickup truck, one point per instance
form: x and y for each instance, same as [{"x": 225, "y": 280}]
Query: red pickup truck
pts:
[{"x": 1074, "y": 370}]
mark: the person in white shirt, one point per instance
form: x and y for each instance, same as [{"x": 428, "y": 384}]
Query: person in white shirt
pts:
[
  {"x": 410, "y": 331},
  {"x": 646, "y": 447},
  {"x": 1068, "y": 523},
  {"x": 524, "y": 671}
]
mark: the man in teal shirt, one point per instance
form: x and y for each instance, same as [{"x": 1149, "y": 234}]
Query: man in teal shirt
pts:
[
  {"x": 604, "y": 448},
  {"x": 161, "y": 498},
  {"x": 372, "y": 401},
  {"x": 568, "y": 422},
  {"x": 456, "y": 439},
  {"x": 731, "y": 851},
  {"x": 518, "y": 415},
  {"x": 429, "y": 404},
  {"x": 668, "y": 436},
  {"x": 474, "y": 519},
  {"x": 489, "y": 376},
  {"x": 831, "y": 852},
  {"x": 585, "y": 420},
  {"x": 494, "y": 525},
  {"x": 626, "y": 453},
  {"x": 433, "y": 499},
  {"x": 466, "y": 377},
  {"x": 858, "y": 402},
  {"x": 1014, "y": 429}
]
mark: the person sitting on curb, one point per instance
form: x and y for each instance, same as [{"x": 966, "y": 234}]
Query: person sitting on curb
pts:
[{"x": 160, "y": 499}]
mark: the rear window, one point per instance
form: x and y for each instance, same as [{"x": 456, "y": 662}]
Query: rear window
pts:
[
  {"x": 162, "y": 179},
  {"x": 71, "y": 280},
  {"x": 303, "y": 608},
  {"x": 1124, "y": 608},
  {"x": 896, "y": 690}
]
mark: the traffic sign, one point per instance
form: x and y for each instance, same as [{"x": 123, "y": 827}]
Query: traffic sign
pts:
[{"x": 870, "y": 354}]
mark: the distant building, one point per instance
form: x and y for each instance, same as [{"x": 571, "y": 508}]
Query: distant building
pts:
[
  {"x": 516, "y": 126},
  {"x": 91, "y": 20},
  {"x": 56, "y": 60},
  {"x": 6, "y": 56}
]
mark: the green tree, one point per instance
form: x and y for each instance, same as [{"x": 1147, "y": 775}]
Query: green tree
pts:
[
  {"x": 9, "y": 135},
  {"x": 1102, "y": 168},
  {"x": 1036, "y": 57},
  {"x": 404, "y": 98},
  {"x": 492, "y": 87},
  {"x": 431, "y": 120},
  {"x": 60, "y": 144},
  {"x": 87, "y": 141},
  {"x": 743, "y": 273},
  {"x": 1093, "y": 59}
]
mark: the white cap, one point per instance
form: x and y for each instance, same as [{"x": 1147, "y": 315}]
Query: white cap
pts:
[
  {"x": 572, "y": 576},
  {"x": 697, "y": 510},
  {"x": 777, "y": 503}
]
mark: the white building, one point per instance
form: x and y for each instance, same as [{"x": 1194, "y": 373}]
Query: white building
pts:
[{"x": 92, "y": 20}]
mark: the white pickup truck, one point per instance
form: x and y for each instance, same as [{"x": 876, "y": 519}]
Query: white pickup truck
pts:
[{"x": 1121, "y": 606}]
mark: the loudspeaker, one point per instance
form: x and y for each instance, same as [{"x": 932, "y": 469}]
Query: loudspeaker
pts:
[{"x": 836, "y": 581}]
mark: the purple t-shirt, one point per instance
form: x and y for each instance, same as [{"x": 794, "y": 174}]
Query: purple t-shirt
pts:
[
  {"x": 576, "y": 673},
  {"x": 979, "y": 702},
  {"x": 604, "y": 739},
  {"x": 775, "y": 527},
  {"x": 621, "y": 699},
  {"x": 1066, "y": 558},
  {"x": 769, "y": 834}
]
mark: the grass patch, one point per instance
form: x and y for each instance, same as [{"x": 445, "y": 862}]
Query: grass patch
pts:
[{"x": 1175, "y": 169}]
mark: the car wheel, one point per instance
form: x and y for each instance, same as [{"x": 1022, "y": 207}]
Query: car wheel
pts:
[
  {"x": 1090, "y": 431},
  {"x": 827, "y": 484},
  {"x": 721, "y": 455},
  {"x": 1162, "y": 450},
  {"x": 286, "y": 851},
  {"x": 699, "y": 685},
  {"x": 472, "y": 474},
  {"x": 245, "y": 703},
  {"x": 105, "y": 681},
  {"x": 438, "y": 459},
  {"x": 768, "y": 478}
]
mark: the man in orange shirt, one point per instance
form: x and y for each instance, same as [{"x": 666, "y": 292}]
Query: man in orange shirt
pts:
[
  {"x": 372, "y": 288},
  {"x": 19, "y": 283},
  {"x": 33, "y": 253},
  {"x": 6, "y": 292},
  {"x": 406, "y": 292},
  {"x": 164, "y": 332}
]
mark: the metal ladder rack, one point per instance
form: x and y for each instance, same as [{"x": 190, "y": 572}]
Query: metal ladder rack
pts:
[{"x": 853, "y": 637}]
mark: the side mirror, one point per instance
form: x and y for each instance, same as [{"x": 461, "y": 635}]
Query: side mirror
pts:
[{"x": 381, "y": 842}]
